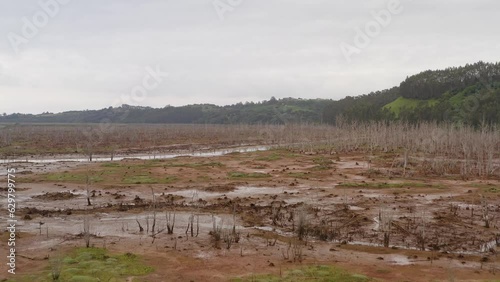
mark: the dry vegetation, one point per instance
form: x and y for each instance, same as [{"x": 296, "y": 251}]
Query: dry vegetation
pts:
[
  {"x": 425, "y": 196},
  {"x": 438, "y": 150}
]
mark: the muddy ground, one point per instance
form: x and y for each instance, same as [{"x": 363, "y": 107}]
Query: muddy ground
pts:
[{"x": 276, "y": 210}]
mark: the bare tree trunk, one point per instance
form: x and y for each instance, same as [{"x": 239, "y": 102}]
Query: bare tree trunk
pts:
[
  {"x": 88, "y": 189},
  {"x": 385, "y": 224},
  {"x": 486, "y": 212},
  {"x": 405, "y": 162},
  {"x": 170, "y": 222},
  {"x": 154, "y": 211},
  {"x": 86, "y": 231},
  {"x": 140, "y": 226}
]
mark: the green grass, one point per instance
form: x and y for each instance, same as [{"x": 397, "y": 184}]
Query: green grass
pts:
[
  {"x": 457, "y": 99},
  {"x": 487, "y": 188},
  {"x": 71, "y": 177},
  {"x": 113, "y": 174},
  {"x": 237, "y": 174},
  {"x": 159, "y": 163},
  {"x": 203, "y": 178},
  {"x": 492, "y": 190},
  {"x": 298, "y": 175},
  {"x": 322, "y": 163},
  {"x": 123, "y": 173},
  {"x": 139, "y": 179},
  {"x": 273, "y": 157},
  {"x": 147, "y": 179},
  {"x": 92, "y": 264},
  {"x": 313, "y": 273},
  {"x": 196, "y": 165},
  {"x": 397, "y": 105}
]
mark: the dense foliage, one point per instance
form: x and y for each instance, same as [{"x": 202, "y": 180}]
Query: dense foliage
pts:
[
  {"x": 273, "y": 111},
  {"x": 466, "y": 95},
  {"x": 433, "y": 84}
]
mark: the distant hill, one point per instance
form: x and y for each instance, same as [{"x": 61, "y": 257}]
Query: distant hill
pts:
[
  {"x": 273, "y": 111},
  {"x": 467, "y": 95}
]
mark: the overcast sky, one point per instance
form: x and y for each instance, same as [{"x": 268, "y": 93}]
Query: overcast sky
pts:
[{"x": 90, "y": 54}]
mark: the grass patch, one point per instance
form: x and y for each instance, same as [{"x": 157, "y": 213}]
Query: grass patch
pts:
[
  {"x": 487, "y": 188},
  {"x": 320, "y": 273},
  {"x": 490, "y": 189},
  {"x": 237, "y": 174},
  {"x": 169, "y": 179},
  {"x": 405, "y": 103},
  {"x": 71, "y": 177},
  {"x": 298, "y": 175},
  {"x": 148, "y": 179},
  {"x": 196, "y": 165},
  {"x": 322, "y": 163},
  {"x": 383, "y": 271},
  {"x": 115, "y": 173},
  {"x": 140, "y": 179},
  {"x": 493, "y": 190},
  {"x": 93, "y": 264},
  {"x": 269, "y": 158}
]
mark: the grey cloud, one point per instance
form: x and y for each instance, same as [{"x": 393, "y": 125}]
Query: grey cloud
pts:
[{"x": 93, "y": 51}]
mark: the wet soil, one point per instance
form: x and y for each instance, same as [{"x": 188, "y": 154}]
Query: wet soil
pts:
[{"x": 262, "y": 195}]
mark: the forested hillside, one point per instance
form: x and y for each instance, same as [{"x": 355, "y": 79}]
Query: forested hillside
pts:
[
  {"x": 468, "y": 95},
  {"x": 273, "y": 111}
]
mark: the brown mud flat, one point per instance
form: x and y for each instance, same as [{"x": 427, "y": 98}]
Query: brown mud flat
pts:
[{"x": 347, "y": 206}]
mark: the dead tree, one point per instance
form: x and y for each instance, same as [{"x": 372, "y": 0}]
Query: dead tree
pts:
[
  {"x": 301, "y": 223},
  {"x": 345, "y": 200},
  {"x": 56, "y": 264},
  {"x": 405, "y": 161},
  {"x": 275, "y": 214},
  {"x": 190, "y": 226},
  {"x": 113, "y": 149},
  {"x": 140, "y": 226},
  {"x": 297, "y": 250},
  {"x": 88, "y": 188},
  {"x": 154, "y": 211},
  {"x": 421, "y": 233},
  {"x": 385, "y": 223},
  {"x": 216, "y": 232},
  {"x": 153, "y": 234},
  {"x": 286, "y": 255},
  {"x": 228, "y": 239},
  {"x": 170, "y": 216},
  {"x": 486, "y": 212},
  {"x": 86, "y": 231},
  {"x": 89, "y": 150}
]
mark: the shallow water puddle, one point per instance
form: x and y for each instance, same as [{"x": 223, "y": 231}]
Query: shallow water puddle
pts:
[{"x": 211, "y": 153}]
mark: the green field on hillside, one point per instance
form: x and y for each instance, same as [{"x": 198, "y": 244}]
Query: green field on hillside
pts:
[{"x": 407, "y": 103}]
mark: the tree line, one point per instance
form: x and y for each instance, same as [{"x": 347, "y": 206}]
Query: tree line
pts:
[{"x": 467, "y": 95}]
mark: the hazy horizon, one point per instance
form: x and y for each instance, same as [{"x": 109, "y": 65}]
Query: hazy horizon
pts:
[{"x": 66, "y": 55}]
